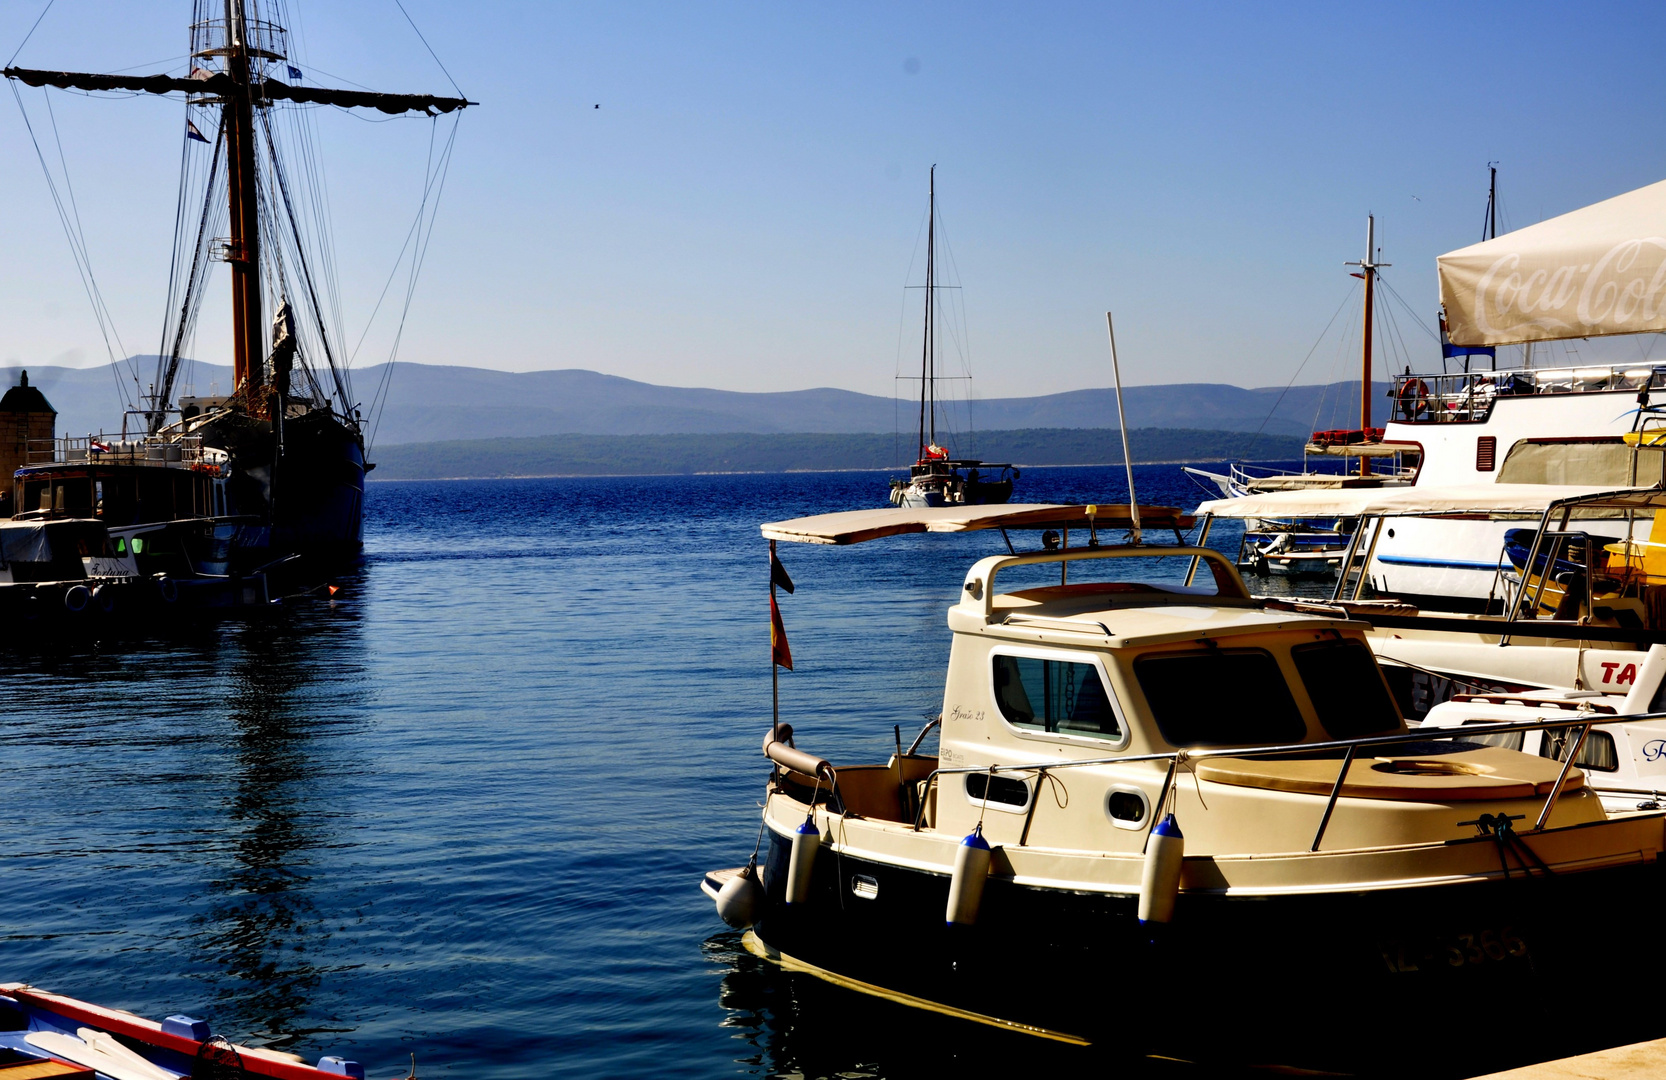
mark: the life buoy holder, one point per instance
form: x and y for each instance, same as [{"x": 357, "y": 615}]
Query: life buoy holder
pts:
[{"x": 1414, "y": 398}]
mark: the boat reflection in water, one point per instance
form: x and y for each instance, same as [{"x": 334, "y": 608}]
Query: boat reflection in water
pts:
[{"x": 259, "y": 927}]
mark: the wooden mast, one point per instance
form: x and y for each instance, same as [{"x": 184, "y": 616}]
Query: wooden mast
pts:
[
  {"x": 1368, "y": 271},
  {"x": 243, "y": 201}
]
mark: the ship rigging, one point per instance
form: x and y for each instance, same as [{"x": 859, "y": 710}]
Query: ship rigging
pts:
[{"x": 289, "y": 440}]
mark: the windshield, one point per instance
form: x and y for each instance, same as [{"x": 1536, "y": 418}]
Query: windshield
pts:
[{"x": 1219, "y": 697}]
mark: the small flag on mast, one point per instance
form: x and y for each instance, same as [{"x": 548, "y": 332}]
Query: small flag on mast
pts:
[
  {"x": 778, "y": 650},
  {"x": 294, "y": 72},
  {"x": 191, "y": 132}
]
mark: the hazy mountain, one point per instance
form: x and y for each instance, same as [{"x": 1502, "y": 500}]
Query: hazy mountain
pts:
[{"x": 428, "y": 403}]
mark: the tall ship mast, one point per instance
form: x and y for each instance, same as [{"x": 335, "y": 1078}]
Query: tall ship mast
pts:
[
  {"x": 936, "y": 478},
  {"x": 275, "y": 470}
]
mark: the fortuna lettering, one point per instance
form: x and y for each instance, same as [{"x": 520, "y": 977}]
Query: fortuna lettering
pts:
[{"x": 1623, "y": 287}]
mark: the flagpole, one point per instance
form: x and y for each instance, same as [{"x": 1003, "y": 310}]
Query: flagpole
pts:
[{"x": 774, "y": 669}]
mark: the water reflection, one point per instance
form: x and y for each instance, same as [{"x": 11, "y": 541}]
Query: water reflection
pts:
[
  {"x": 795, "y": 1025},
  {"x": 280, "y": 803}
]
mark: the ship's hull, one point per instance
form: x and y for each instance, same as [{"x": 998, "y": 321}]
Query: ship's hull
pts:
[
  {"x": 308, "y": 498},
  {"x": 1313, "y": 977}
]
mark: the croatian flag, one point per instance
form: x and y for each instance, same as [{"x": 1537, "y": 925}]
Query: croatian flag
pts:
[
  {"x": 191, "y": 132},
  {"x": 98, "y": 447}
]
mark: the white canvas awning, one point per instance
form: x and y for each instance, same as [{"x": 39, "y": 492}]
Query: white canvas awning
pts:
[
  {"x": 1595, "y": 271},
  {"x": 1432, "y": 501},
  {"x": 856, "y": 526}
]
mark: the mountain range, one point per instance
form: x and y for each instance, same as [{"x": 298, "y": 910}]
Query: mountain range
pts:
[{"x": 434, "y": 403}]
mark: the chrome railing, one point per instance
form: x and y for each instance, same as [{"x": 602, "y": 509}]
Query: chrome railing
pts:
[
  {"x": 1177, "y": 758},
  {"x": 1433, "y": 399},
  {"x": 112, "y": 450}
]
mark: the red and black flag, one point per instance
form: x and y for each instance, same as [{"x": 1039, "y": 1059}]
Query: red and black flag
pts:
[{"x": 779, "y": 652}]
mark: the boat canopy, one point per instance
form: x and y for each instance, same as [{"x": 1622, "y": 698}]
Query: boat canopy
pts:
[
  {"x": 856, "y": 526},
  {"x": 1591, "y": 272},
  {"x": 1434, "y": 501}
]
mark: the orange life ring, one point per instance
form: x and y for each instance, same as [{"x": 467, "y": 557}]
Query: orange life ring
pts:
[{"x": 1413, "y": 398}]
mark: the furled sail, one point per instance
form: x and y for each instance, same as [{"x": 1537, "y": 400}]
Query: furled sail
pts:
[
  {"x": 1594, "y": 271},
  {"x": 220, "y": 83}
]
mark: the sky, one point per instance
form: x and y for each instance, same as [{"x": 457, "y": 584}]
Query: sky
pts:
[{"x": 744, "y": 209}]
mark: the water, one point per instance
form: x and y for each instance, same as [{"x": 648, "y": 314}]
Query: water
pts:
[{"x": 462, "y": 808}]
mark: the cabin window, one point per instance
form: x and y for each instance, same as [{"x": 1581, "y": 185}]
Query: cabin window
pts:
[
  {"x": 1597, "y": 754},
  {"x": 1509, "y": 740},
  {"x": 1603, "y": 461},
  {"x": 1346, "y": 688},
  {"x": 1002, "y": 791},
  {"x": 1066, "y": 697},
  {"x": 1219, "y": 697}
]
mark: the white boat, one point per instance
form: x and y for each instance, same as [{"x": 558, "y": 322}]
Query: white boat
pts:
[
  {"x": 1032, "y": 874},
  {"x": 1594, "y": 272}
]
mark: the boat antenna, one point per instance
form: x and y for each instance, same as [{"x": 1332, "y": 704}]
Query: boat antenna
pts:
[{"x": 1122, "y": 422}]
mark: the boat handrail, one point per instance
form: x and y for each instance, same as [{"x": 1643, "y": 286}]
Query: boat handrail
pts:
[
  {"x": 980, "y": 580},
  {"x": 1456, "y": 397},
  {"x": 1060, "y": 623},
  {"x": 1177, "y": 758}
]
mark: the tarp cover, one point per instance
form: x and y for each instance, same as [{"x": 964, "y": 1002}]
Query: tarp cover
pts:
[
  {"x": 24, "y": 543},
  {"x": 1423, "y": 502},
  {"x": 856, "y": 526},
  {"x": 1595, "y": 271}
]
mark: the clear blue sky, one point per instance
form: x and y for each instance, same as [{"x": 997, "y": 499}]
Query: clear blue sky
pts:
[{"x": 743, "y": 209}]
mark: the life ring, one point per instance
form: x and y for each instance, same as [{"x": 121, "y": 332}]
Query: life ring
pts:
[
  {"x": 167, "y": 590},
  {"x": 1413, "y": 398},
  {"x": 76, "y": 599}
]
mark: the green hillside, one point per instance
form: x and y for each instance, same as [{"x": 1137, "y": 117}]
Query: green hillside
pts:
[{"x": 641, "y": 455}]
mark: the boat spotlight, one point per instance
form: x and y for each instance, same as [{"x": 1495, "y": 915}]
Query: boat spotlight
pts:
[{"x": 1050, "y": 540}]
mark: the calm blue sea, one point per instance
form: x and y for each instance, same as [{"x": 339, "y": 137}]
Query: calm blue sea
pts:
[{"x": 462, "y": 808}]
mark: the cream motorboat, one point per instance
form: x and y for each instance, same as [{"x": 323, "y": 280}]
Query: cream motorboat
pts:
[{"x": 1334, "y": 866}]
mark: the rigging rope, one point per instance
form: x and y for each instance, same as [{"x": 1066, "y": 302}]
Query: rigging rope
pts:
[
  {"x": 83, "y": 266},
  {"x": 1316, "y": 343},
  {"x": 437, "y": 185}
]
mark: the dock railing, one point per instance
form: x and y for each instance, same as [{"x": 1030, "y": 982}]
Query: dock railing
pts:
[{"x": 1177, "y": 758}]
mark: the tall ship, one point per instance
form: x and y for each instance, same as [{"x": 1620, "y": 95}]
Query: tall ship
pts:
[
  {"x": 272, "y": 472},
  {"x": 937, "y": 478}
]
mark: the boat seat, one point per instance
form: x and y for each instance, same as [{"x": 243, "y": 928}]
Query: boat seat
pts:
[{"x": 1466, "y": 775}]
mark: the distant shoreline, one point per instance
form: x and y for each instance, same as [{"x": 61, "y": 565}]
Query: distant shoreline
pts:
[
  {"x": 738, "y": 454},
  {"x": 373, "y": 479}
]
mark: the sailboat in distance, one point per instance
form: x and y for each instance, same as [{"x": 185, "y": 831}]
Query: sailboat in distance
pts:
[
  {"x": 272, "y": 472},
  {"x": 936, "y": 478}
]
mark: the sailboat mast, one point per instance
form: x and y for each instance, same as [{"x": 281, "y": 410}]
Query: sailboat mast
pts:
[
  {"x": 1369, "y": 269},
  {"x": 248, "y": 351},
  {"x": 928, "y": 348}
]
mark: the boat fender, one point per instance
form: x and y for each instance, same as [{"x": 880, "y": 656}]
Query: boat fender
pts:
[
  {"x": 186, "y": 1027},
  {"x": 971, "y": 870},
  {"x": 740, "y": 898},
  {"x": 76, "y": 598},
  {"x": 1160, "y": 884},
  {"x": 340, "y": 1066},
  {"x": 166, "y": 589},
  {"x": 104, "y": 596},
  {"x": 806, "y": 841}
]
